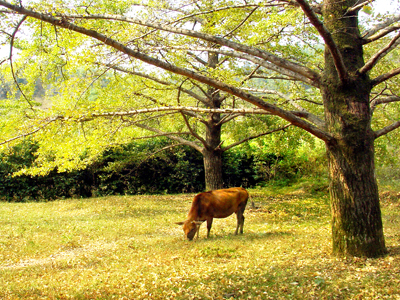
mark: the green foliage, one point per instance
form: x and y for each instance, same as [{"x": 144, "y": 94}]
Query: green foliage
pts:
[
  {"x": 25, "y": 188},
  {"x": 133, "y": 169},
  {"x": 141, "y": 168}
]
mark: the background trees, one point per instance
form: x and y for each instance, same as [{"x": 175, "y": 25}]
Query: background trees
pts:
[{"x": 318, "y": 50}]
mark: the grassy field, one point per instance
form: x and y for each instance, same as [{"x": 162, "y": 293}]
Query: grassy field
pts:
[{"x": 128, "y": 247}]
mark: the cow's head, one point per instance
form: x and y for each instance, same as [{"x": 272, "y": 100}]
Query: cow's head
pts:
[{"x": 190, "y": 228}]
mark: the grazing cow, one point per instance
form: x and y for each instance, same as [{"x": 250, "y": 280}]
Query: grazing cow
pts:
[{"x": 215, "y": 204}]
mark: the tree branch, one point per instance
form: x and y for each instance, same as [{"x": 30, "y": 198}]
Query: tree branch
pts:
[
  {"x": 258, "y": 62},
  {"x": 379, "y": 27},
  {"x": 192, "y": 132},
  {"x": 49, "y": 121},
  {"x": 384, "y": 100},
  {"x": 326, "y": 35},
  {"x": 387, "y": 129},
  {"x": 274, "y": 59},
  {"x": 11, "y": 61},
  {"x": 154, "y": 153},
  {"x": 158, "y": 80},
  {"x": 254, "y": 137},
  {"x": 385, "y": 77},
  {"x": 241, "y": 23},
  {"x": 357, "y": 7},
  {"x": 380, "y": 34},
  {"x": 62, "y": 22},
  {"x": 302, "y": 111},
  {"x": 173, "y": 137},
  {"x": 380, "y": 54},
  {"x": 89, "y": 117}
]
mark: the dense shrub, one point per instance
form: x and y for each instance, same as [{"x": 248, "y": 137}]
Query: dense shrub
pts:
[{"x": 141, "y": 168}]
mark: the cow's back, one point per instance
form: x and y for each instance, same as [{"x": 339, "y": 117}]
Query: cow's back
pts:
[{"x": 220, "y": 203}]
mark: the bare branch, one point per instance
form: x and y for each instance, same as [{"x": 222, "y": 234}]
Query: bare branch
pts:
[
  {"x": 254, "y": 137},
  {"x": 384, "y": 100},
  {"x": 357, "y": 7},
  {"x": 381, "y": 26},
  {"x": 380, "y": 34},
  {"x": 387, "y": 129},
  {"x": 326, "y": 35},
  {"x": 380, "y": 54},
  {"x": 192, "y": 132},
  {"x": 385, "y": 77},
  {"x": 173, "y": 137}
]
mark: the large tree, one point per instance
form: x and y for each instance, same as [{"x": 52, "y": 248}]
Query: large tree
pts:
[{"x": 319, "y": 47}]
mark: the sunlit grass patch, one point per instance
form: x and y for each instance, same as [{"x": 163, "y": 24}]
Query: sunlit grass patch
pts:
[{"x": 128, "y": 247}]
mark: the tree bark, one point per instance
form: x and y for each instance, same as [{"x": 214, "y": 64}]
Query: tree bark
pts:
[
  {"x": 356, "y": 216},
  {"x": 213, "y": 169},
  {"x": 212, "y": 152}
]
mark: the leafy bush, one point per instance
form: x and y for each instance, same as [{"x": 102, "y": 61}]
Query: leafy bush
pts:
[{"x": 141, "y": 168}]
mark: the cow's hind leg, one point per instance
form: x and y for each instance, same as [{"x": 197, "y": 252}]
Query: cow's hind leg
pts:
[
  {"x": 240, "y": 222},
  {"x": 240, "y": 218},
  {"x": 209, "y": 224}
]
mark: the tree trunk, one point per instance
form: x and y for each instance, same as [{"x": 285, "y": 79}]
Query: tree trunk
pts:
[
  {"x": 356, "y": 216},
  {"x": 212, "y": 153},
  {"x": 213, "y": 169}
]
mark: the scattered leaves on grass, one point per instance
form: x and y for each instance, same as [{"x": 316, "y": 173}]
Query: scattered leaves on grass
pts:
[{"x": 128, "y": 247}]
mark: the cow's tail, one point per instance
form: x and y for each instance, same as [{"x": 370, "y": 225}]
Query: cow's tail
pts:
[
  {"x": 253, "y": 206},
  {"x": 249, "y": 198}
]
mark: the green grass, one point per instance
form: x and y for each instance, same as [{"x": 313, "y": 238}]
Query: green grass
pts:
[{"x": 128, "y": 247}]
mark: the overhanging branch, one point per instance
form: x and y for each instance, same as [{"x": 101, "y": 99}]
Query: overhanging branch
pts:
[
  {"x": 64, "y": 23},
  {"x": 48, "y": 122},
  {"x": 283, "y": 63}
]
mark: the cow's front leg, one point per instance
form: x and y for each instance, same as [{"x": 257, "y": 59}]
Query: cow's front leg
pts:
[{"x": 209, "y": 224}]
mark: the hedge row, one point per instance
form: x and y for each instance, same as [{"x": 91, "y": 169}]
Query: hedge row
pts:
[{"x": 130, "y": 169}]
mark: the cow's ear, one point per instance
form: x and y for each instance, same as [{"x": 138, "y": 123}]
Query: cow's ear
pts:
[{"x": 179, "y": 223}]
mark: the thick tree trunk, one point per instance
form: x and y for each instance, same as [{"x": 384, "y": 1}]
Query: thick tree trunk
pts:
[{"x": 356, "y": 217}]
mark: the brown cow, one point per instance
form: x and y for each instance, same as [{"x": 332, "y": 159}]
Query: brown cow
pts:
[{"x": 215, "y": 204}]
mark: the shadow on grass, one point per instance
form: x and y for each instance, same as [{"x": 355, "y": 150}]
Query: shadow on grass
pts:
[{"x": 246, "y": 236}]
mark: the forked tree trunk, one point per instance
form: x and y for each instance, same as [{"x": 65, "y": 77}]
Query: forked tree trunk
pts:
[{"x": 356, "y": 216}]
